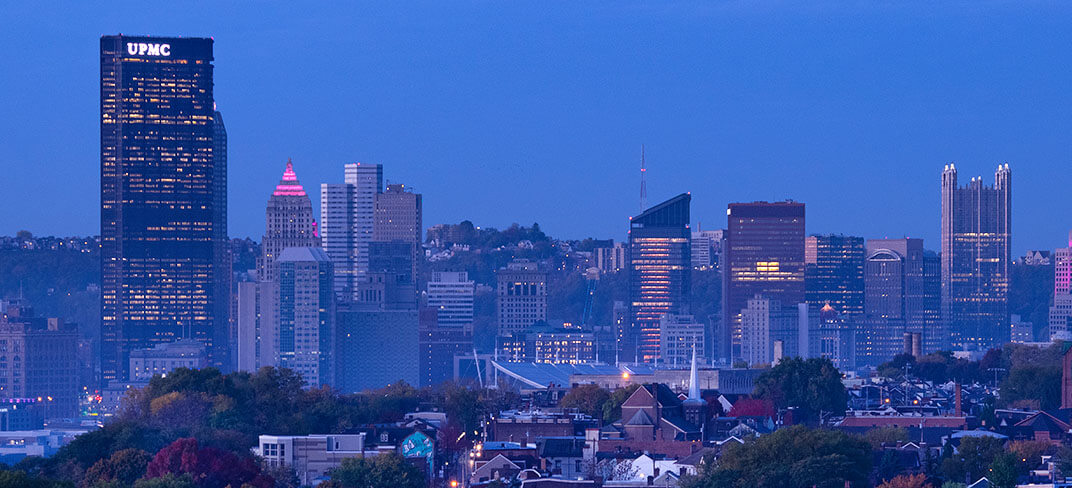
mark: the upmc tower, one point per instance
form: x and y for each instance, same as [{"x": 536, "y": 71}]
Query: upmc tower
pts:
[{"x": 165, "y": 266}]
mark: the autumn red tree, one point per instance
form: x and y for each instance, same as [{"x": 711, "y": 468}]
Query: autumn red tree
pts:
[
  {"x": 209, "y": 467},
  {"x": 752, "y": 407}
]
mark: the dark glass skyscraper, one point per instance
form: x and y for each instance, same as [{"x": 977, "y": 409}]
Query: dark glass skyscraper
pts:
[
  {"x": 834, "y": 273},
  {"x": 660, "y": 266},
  {"x": 976, "y": 255},
  {"x": 764, "y": 255},
  {"x": 161, "y": 215}
]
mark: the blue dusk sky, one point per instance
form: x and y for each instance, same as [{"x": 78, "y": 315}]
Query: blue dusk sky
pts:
[{"x": 502, "y": 112}]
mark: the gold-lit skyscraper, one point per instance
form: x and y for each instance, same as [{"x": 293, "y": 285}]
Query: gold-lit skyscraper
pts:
[
  {"x": 161, "y": 225},
  {"x": 660, "y": 267}
]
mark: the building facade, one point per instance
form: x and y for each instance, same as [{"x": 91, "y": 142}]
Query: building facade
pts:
[
  {"x": 1061, "y": 309},
  {"x": 611, "y": 259},
  {"x": 161, "y": 227},
  {"x": 306, "y": 314},
  {"x": 679, "y": 337},
  {"x": 288, "y": 222},
  {"x": 976, "y": 258},
  {"x": 347, "y": 218},
  {"x": 834, "y": 273},
  {"x": 764, "y": 255},
  {"x": 376, "y": 347},
  {"x": 660, "y": 274},
  {"x": 521, "y": 297},
  {"x": 164, "y": 358},
  {"x": 39, "y": 362},
  {"x": 706, "y": 248},
  {"x": 451, "y": 295}
]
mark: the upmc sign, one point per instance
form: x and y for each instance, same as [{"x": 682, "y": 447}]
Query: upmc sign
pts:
[{"x": 147, "y": 49}]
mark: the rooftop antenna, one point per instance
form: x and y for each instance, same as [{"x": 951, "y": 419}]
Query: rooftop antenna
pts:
[{"x": 643, "y": 184}]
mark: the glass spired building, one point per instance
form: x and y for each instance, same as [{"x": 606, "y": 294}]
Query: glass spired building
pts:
[
  {"x": 163, "y": 271},
  {"x": 660, "y": 266}
]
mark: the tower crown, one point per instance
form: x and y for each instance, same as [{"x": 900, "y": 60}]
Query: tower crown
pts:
[{"x": 289, "y": 185}]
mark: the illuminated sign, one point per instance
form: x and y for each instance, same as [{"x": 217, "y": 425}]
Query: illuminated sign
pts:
[{"x": 148, "y": 49}]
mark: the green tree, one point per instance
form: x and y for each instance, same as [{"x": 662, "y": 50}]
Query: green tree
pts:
[
  {"x": 19, "y": 479},
  {"x": 1004, "y": 471},
  {"x": 612, "y": 408},
  {"x": 1033, "y": 384},
  {"x": 972, "y": 458},
  {"x": 793, "y": 456},
  {"x": 588, "y": 399},
  {"x": 383, "y": 470},
  {"x": 812, "y": 387},
  {"x": 169, "y": 481},
  {"x": 881, "y": 436}
]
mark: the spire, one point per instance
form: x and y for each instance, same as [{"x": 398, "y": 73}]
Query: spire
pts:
[
  {"x": 643, "y": 184},
  {"x": 694, "y": 378},
  {"x": 289, "y": 185}
]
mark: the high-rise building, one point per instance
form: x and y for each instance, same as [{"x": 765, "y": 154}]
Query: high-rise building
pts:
[
  {"x": 976, "y": 255},
  {"x": 39, "y": 360},
  {"x": 347, "y": 217},
  {"x": 337, "y": 234},
  {"x": 706, "y": 248},
  {"x": 376, "y": 347},
  {"x": 451, "y": 295},
  {"x": 1061, "y": 310},
  {"x": 834, "y": 273},
  {"x": 161, "y": 257},
  {"x": 548, "y": 345},
  {"x": 306, "y": 316},
  {"x": 397, "y": 215},
  {"x": 221, "y": 241},
  {"x": 764, "y": 255},
  {"x": 438, "y": 346},
  {"x": 288, "y": 222},
  {"x": 660, "y": 274},
  {"x": 771, "y": 330},
  {"x": 521, "y": 296},
  {"x": 165, "y": 358},
  {"x": 679, "y": 337},
  {"x": 367, "y": 181}
]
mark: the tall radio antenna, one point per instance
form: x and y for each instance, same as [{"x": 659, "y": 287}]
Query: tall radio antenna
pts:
[{"x": 643, "y": 184}]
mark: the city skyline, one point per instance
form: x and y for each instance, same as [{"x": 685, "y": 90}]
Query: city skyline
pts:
[{"x": 720, "y": 150}]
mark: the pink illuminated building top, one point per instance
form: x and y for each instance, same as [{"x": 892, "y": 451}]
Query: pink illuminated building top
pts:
[{"x": 289, "y": 186}]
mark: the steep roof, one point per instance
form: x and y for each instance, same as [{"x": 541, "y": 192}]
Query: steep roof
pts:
[{"x": 671, "y": 213}]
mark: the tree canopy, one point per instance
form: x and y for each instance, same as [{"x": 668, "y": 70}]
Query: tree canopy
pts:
[{"x": 811, "y": 387}]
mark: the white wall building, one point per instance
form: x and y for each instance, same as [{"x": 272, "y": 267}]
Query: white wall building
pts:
[
  {"x": 678, "y": 336},
  {"x": 311, "y": 456}
]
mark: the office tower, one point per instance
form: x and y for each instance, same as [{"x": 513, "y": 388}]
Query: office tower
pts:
[
  {"x": 1061, "y": 310},
  {"x": 764, "y": 255},
  {"x": 837, "y": 340},
  {"x": 390, "y": 280},
  {"x": 680, "y": 336},
  {"x": 439, "y": 344},
  {"x": 521, "y": 296},
  {"x": 160, "y": 225},
  {"x": 164, "y": 358},
  {"x": 834, "y": 273},
  {"x": 451, "y": 296},
  {"x": 622, "y": 325},
  {"x": 221, "y": 241},
  {"x": 901, "y": 295},
  {"x": 660, "y": 274},
  {"x": 288, "y": 222},
  {"x": 257, "y": 337},
  {"x": 39, "y": 361},
  {"x": 706, "y": 247},
  {"x": 397, "y": 215},
  {"x": 611, "y": 259},
  {"x": 367, "y": 182},
  {"x": 375, "y": 347},
  {"x": 765, "y": 322},
  {"x": 306, "y": 317},
  {"x": 976, "y": 243},
  {"x": 337, "y": 214},
  {"x": 1022, "y": 331}
]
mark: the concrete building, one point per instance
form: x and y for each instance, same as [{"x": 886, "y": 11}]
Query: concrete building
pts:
[
  {"x": 258, "y": 306},
  {"x": 521, "y": 297},
  {"x": 164, "y": 358},
  {"x": 764, "y": 255},
  {"x": 548, "y": 345},
  {"x": 306, "y": 317},
  {"x": 347, "y": 219},
  {"x": 452, "y": 294},
  {"x": 288, "y": 223},
  {"x": 38, "y": 359},
  {"x": 766, "y": 322},
  {"x": 438, "y": 347},
  {"x": 902, "y": 294},
  {"x": 375, "y": 347},
  {"x": 679, "y": 337},
  {"x": 312, "y": 457},
  {"x": 976, "y": 258},
  {"x": 660, "y": 274},
  {"x": 611, "y": 259},
  {"x": 165, "y": 269},
  {"x": 706, "y": 248}
]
